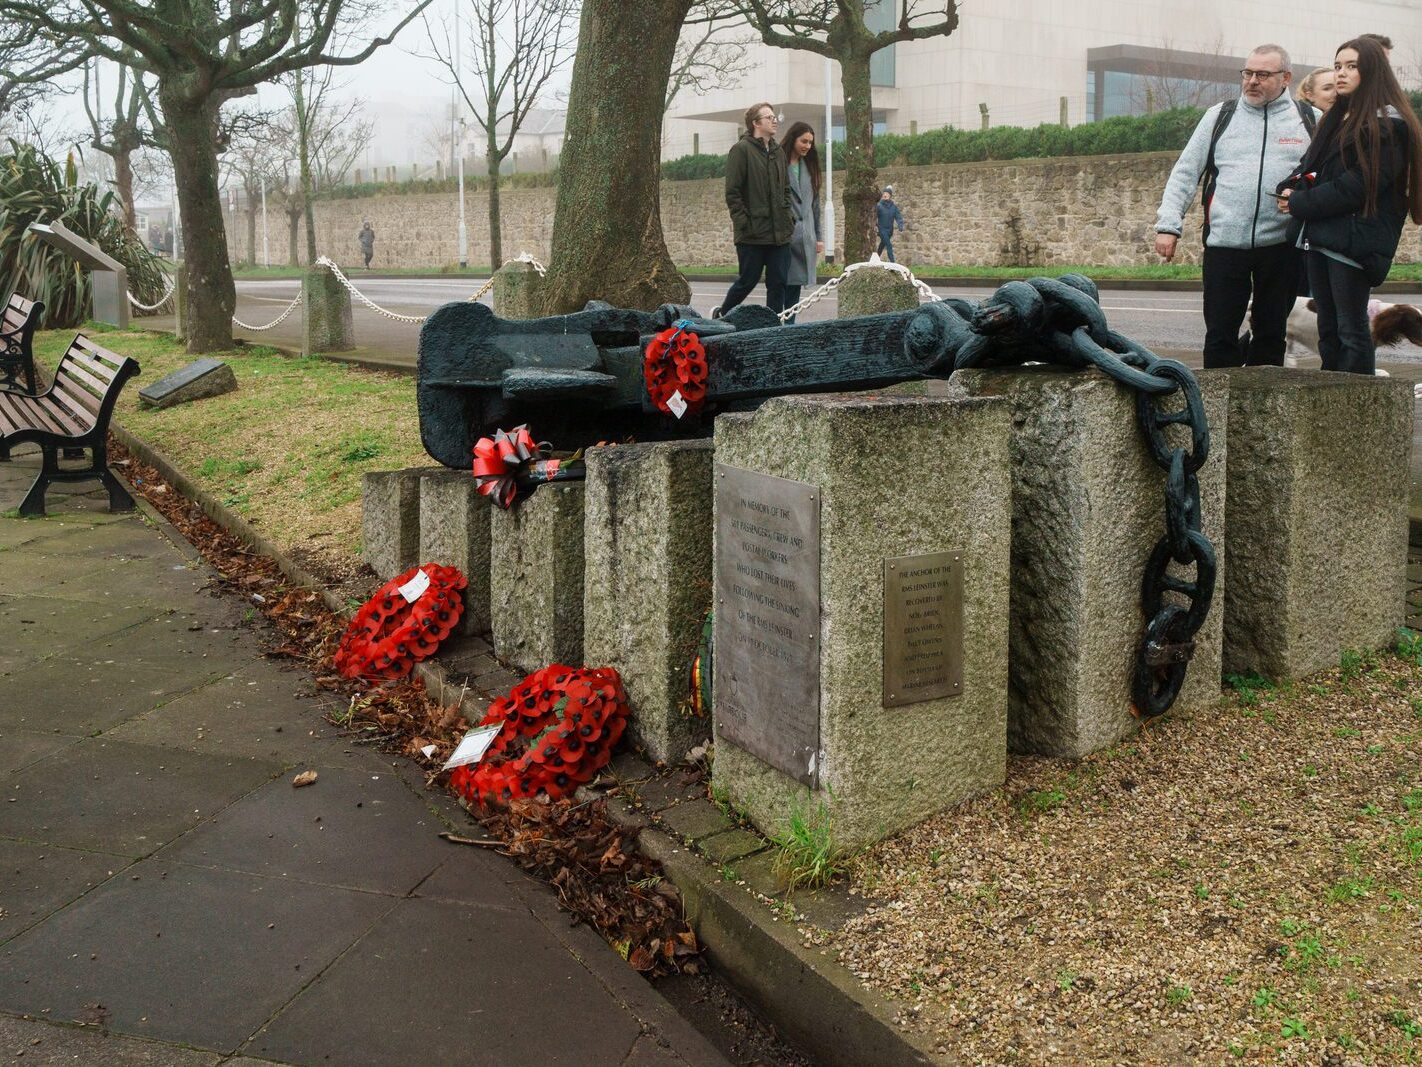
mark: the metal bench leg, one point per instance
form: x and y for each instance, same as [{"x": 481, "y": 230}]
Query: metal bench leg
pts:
[
  {"x": 119, "y": 498},
  {"x": 32, "y": 507}
]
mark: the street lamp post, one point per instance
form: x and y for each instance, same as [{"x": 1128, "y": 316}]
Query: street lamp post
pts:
[
  {"x": 829, "y": 165},
  {"x": 266, "y": 248},
  {"x": 463, "y": 229}
]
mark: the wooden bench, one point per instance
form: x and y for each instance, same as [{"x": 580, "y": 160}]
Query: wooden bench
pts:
[
  {"x": 17, "y": 331},
  {"x": 73, "y": 412}
]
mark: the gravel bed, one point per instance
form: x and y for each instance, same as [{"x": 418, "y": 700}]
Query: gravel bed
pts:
[{"x": 1238, "y": 884}]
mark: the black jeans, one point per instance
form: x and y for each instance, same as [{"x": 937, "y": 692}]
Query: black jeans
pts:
[
  {"x": 1271, "y": 274},
  {"x": 1345, "y": 336},
  {"x": 886, "y": 241},
  {"x": 792, "y": 297},
  {"x": 774, "y": 261}
]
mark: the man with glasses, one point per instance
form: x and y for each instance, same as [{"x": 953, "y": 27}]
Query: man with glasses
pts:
[
  {"x": 758, "y": 195},
  {"x": 1243, "y": 149}
]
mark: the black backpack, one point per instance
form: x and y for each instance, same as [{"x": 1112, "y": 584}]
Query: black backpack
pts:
[{"x": 1222, "y": 121}]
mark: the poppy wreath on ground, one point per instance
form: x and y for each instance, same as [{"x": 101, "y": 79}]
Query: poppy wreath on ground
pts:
[
  {"x": 675, "y": 366},
  {"x": 511, "y": 460},
  {"x": 390, "y": 632},
  {"x": 559, "y": 726}
]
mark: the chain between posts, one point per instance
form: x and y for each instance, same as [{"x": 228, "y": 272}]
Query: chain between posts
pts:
[
  {"x": 1010, "y": 327},
  {"x": 274, "y": 323},
  {"x": 924, "y": 292},
  {"x": 152, "y": 307}
]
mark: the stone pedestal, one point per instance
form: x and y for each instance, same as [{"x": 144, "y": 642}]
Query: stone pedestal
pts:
[
  {"x": 1317, "y": 517},
  {"x": 648, "y": 582},
  {"x": 454, "y": 532},
  {"x": 536, "y": 578},
  {"x": 390, "y": 520},
  {"x": 1087, "y": 509},
  {"x": 516, "y": 291},
  {"x": 326, "y": 324},
  {"x": 875, "y": 291},
  {"x": 895, "y": 477}
]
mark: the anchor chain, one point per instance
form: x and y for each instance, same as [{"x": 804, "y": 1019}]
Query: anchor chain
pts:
[{"x": 1060, "y": 321}]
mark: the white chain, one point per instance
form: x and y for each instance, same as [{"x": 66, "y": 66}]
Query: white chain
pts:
[
  {"x": 527, "y": 257},
  {"x": 924, "y": 291},
  {"x": 274, "y": 323},
  {"x": 330, "y": 264},
  {"x": 153, "y": 307}
]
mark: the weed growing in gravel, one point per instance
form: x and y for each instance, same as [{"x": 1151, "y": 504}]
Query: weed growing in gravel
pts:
[
  {"x": 1349, "y": 889},
  {"x": 1178, "y": 994},
  {"x": 1354, "y": 662},
  {"x": 1406, "y": 1023},
  {"x": 1041, "y": 801},
  {"x": 1065, "y": 978},
  {"x": 1249, "y": 687},
  {"x": 1293, "y": 1027},
  {"x": 808, "y": 855},
  {"x": 1409, "y": 645}
]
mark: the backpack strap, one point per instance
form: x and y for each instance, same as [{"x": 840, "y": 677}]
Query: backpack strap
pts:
[{"x": 1211, "y": 170}]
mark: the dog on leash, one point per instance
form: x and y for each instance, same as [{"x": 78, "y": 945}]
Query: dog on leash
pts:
[{"x": 1391, "y": 325}]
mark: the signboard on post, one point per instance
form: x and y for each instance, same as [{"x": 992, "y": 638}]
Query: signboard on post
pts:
[{"x": 108, "y": 278}]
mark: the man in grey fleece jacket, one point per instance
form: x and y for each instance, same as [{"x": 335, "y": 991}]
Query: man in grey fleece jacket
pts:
[{"x": 1246, "y": 249}]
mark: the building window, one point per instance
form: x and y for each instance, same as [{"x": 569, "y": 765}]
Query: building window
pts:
[
  {"x": 1132, "y": 80},
  {"x": 880, "y": 15}
]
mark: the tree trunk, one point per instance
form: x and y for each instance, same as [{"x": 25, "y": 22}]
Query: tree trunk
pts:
[
  {"x": 607, "y": 228},
  {"x": 212, "y": 296},
  {"x": 496, "y": 237},
  {"x": 303, "y": 146},
  {"x": 254, "y": 195},
  {"x": 293, "y": 222},
  {"x": 123, "y": 183},
  {"x": 861, "y": 177}
]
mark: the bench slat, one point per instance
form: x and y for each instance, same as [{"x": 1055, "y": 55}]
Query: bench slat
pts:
[
  {"x": 24, "y": 414},
  {"x": 75, "y": 369},
  {"x": 99, "y": 360},
  {"x": 86, "y": 413},
  {"x": 75, "y": 424}
]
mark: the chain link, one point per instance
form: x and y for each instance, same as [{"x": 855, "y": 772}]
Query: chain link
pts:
[
  {"x": 330, "y": 264},
  {"x": 1060, "y": 321},
  {"x": 482, "y": 290},
  {"x": 274, "y": 323}
]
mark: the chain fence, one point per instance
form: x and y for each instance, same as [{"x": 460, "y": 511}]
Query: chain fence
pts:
[
  {"x": 274, "y": 323},
  {"x": 925, "y": 293},
  {"x": 171, "y": 289}
]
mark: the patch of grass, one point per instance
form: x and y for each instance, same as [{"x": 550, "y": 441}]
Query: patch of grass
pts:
[
  {"x": 1349, "y": 889},
  {"x": 1264, "y": 997},
  {"x": 1409, "y": 645},
  {"x": 1406, "y": 1023},
  {"x": 809, "y": 856},
  {"x": 1041, "y": 801},
  {"x": 1294, "y": 1027},
  {"x": 1248, "y": 688},
  {"x": 1354, "y": 662},
  {"x": 1065, "y": 979},
  {"x": 1178, "y": 994}
]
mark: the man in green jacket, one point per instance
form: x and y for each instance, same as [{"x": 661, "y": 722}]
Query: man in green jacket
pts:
[{"x": 758, "y": 195}]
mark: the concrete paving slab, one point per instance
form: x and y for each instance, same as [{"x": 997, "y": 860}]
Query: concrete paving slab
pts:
[
  {"x": 352, "y": 828},
  {"x": 35, "y": 1043},
  {"x": 36, "y": 880},
  {"x": 488, "y": 968},
  {"x": 41, "y": 625},
  {"x": 476, "y": 875},
  {"x": 66, "y": 694},
  {"x": 201, "y": 957},
  {"x": 178, "y": 641},
  {"x": 20, "y": 748},
  {"x": 255, "y": 712},
  {"x": 132, "y": 538},
  {"x": 29, "y": 570},
  {"x": 175, "y": 584},
  {"x": 128, "y": 799}
]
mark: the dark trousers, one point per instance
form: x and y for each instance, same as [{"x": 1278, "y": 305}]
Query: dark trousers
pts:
[
  {"x": 886, "y": 240},
  {"x": 1271, "y": 274},
  {"x": 367, "y": 253},
  {"x": 1345, "y": 336},
  {"x": 792, "y": 297},
  {"x": 774, "y": 262}
]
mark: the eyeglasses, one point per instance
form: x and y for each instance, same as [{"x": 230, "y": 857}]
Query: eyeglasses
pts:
[
  {"x": 1258, "y": 75},
  {"x": 770, "y": 117}
]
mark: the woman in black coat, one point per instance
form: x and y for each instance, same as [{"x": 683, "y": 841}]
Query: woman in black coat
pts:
[{"x": 1357, "y": 184}]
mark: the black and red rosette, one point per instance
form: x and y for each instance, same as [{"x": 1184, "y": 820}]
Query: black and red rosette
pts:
[
  {"x": 674, "y": 368},
  {"x": 512, "y": 460},
  {"x": 559, "y": 726},
  {"x": 391, "y": 633}
]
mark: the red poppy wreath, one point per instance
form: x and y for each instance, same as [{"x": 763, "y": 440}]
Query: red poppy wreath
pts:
[
  {"x": 404, "y": 622},
  {"x": 675, "y": 370},
  {"x": 558, "y": 728}
]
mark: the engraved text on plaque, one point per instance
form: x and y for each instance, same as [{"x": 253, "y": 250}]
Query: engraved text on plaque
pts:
[{"x": 923, "y": 628}]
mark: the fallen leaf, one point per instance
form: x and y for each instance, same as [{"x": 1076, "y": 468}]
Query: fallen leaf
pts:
[{"x": 304, "y": 778}]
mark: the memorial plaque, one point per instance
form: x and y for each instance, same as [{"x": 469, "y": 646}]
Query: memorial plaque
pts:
[
  {"x": 766, "y": 668},
  {"x": 923, "y": 628},
  {"x": 200, "y": 379}
]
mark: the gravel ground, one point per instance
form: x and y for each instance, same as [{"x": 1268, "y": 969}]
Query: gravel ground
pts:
[{"x": 1238, "y": 884}]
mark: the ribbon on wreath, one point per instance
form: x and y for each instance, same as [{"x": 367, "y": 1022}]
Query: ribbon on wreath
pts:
[
  {"x": 511, "y": 460},
  {"x": 557, "y": 729},
  {"x": 674, "y": 368},
  {"x": 403, "y": 623}
]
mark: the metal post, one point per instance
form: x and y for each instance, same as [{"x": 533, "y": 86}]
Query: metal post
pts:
[
  {"x": 1064, "y": 112},
  {"x": 266, "y": 249},
  {"x": 984, "y": 109},
  {"x": 459, "y": 148},
  {"x": 828, "y": 209}
]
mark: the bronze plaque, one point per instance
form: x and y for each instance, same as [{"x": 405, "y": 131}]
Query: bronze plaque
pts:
[
  {"x": 766, "y": 666},
  {"x": 923, "y": 628}
]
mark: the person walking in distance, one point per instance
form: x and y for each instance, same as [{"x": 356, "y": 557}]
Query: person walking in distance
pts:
[
  {"x": 887, "y": 214},
  {"x": 1243, "y": 149},
  {"x": 803, "y": 162},
  {"x": 367, "y": 243},
  {"x": 1351, "y": 196},
  {"x": 758, "y": 197}
]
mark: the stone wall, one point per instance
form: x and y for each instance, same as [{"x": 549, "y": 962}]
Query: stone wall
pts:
[{"x": 1097, "y": 210}]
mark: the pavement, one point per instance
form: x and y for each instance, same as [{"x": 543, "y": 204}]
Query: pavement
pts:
[{"x": 167, "y": 897}]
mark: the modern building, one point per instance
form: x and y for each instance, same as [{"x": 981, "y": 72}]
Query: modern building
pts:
[{"x": 1026, "y": 62}]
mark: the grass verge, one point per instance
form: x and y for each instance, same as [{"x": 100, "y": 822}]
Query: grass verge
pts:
[{"x": 286, "y": 450}]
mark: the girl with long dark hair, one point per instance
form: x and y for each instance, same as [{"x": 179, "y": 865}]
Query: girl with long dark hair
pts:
[
  {"x": 803, "y": 164},
  {"x": 1360, "y": 179}
]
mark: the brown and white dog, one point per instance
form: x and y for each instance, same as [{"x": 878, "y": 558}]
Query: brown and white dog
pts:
[{"x": 1392, "y": 324}]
